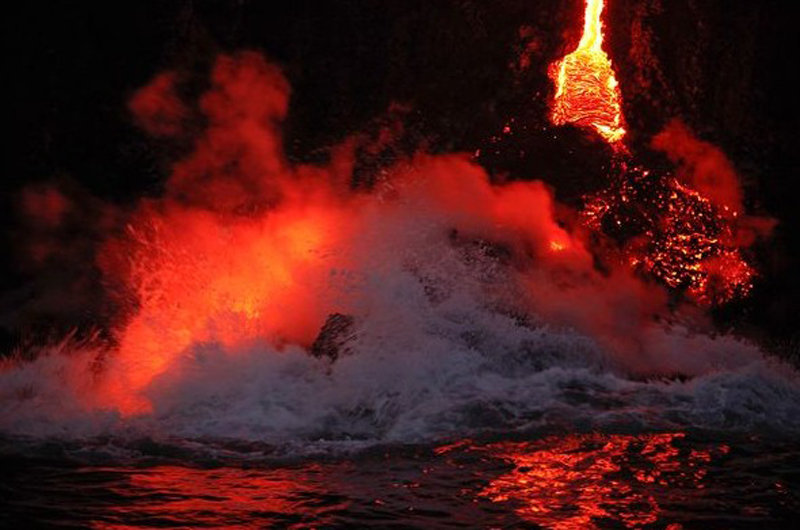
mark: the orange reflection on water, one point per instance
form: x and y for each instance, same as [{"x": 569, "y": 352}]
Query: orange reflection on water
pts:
[
  {"x": 577, "y": 481},
  {"x": 221, "y": 498}
]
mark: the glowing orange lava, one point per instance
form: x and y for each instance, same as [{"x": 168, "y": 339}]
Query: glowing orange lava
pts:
[
  {"x": 674, "y": 234},
  {"x": 587, "y": 93},
  {"x": 244, "y": 248}
]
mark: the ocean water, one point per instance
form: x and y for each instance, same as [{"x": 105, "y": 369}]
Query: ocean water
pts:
[{"x": 654, "y": 480}]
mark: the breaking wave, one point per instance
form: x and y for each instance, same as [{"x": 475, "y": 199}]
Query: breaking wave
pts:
[{"x": 430, "y": 357}]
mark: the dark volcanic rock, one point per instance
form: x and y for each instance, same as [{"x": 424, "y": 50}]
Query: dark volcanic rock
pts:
[{"x": 333, "y": 338}]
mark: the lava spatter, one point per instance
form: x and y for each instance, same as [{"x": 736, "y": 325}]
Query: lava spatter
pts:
[{"x": 672, "y": 233}]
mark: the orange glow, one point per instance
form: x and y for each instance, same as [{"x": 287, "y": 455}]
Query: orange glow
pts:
[
  {"x": 685, "y": 240},
  {"x": 573, "y": 482},
  {"x": 240, "y": 249},
  {"x": 200, "y": 279},
  {"x": 587, "y": 93}
]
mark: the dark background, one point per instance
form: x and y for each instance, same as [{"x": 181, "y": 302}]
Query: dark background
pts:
[{"x": 725, "y": 68}]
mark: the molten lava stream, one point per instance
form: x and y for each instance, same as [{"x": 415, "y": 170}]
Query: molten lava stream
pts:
[{"x": 587, "y": 93}]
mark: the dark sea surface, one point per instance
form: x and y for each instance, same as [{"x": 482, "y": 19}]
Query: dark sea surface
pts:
[{"x": 654, "y": 480}]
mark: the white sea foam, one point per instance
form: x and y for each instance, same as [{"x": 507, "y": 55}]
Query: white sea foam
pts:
[{"x": 417, "y": 370}]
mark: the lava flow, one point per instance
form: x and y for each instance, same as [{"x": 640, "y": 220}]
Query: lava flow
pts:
[
  {"x": 675, "y": 234},
  {"x": 587, "y": 93},
  {"x": 685, "y": 230}
]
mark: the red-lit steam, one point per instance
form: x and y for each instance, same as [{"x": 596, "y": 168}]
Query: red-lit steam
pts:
[
  {"x": 45, "y": 205},
  {"x": 701, "y": 166},
  {"x": 242, "y": 246},
  {"x": 238, "y": 163},
  {"x": 157, "y": 107},
  {"x": 233, "y": 251}
]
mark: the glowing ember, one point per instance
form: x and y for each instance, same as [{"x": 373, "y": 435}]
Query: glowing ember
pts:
[
  {"x": 673, "y": 233},
  {"x": 587, "y": 93}
]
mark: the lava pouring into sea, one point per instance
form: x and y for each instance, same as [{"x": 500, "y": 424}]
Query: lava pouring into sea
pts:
[{"x": 686, "y": 230}]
